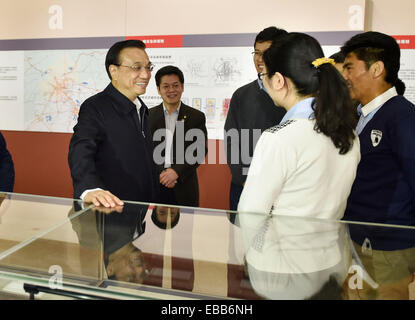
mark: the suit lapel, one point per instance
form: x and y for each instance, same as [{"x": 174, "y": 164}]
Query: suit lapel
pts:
[
  {"x": 159, "y": 123},
  {"x": 182, "y": 112},
  {"x": 181, "y": 117}
]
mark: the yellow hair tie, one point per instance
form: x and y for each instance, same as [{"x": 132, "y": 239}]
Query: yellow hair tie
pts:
[{"x": 318, "y": 62}]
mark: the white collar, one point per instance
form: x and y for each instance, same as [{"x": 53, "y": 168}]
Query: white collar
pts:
[
  {"x": 138, "y": 103},
  {"x": 378, "y": 101}
]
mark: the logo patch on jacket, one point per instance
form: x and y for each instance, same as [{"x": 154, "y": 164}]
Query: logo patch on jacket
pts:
[{"x": 376, "y": 136}]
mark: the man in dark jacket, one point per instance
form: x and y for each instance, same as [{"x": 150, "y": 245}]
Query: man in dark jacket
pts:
[
  {"x": 251, "y": 111},
  {"x": 6, "y": 167},
  {"x": 110, "y": 153}
]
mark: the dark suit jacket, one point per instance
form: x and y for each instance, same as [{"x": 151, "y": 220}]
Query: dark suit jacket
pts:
[
  {"x": 250, "y": 108},
  {"x": 6, "y": 167},
  {"x": 113, "y": 230},
  {"x": 187, "y": 187},
  {"x": 108, "y": 149}
]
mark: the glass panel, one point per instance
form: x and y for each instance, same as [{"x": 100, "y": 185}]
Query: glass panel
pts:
[
  {"x": 149, "y": 251},
  {"x": 72, "y": 248},
  {"x": 22, "y": 217}
]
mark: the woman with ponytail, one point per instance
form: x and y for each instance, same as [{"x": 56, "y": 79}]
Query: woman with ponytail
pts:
[{"x": 303, "y": 167}]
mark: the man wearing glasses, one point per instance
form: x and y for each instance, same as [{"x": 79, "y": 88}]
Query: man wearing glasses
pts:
[
  {"x": 110, "y": 153},
  {"x": 251, "y": 111}
]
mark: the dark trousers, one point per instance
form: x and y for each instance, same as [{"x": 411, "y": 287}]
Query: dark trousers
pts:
[
  {"x": 234, "y": 195},
  {"x": 167, "y": 195}
]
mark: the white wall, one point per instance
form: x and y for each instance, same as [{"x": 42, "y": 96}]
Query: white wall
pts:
[
  {"x": 21, "y": 19},
  {"x": 392, "y": 17}
]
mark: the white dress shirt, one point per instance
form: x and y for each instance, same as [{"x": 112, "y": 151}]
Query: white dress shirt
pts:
[
  {"x": 170, "y": 120},
  {"x": 369, "y": 110}
]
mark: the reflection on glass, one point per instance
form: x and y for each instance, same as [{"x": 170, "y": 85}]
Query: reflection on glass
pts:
[
  {"x": 295, "y": 258},
  {"x": 121, "y": 226},
  {"x": 162, "y": 252},
  {"x": 165, "y": 217},
  {"x": 388, "y": 258}
]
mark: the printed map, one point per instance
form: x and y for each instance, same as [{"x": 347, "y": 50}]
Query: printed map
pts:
[{"x": 56, "y": 82}]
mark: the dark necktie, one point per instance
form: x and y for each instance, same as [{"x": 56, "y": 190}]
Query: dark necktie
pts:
[{"x": 142, "y": 114}]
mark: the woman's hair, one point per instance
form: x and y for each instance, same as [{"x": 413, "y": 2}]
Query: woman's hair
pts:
[{"x": 292, "y": 56}]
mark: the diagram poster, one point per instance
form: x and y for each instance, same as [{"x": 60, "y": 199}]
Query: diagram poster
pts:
[
  {"x": 41, "y": 89},
  {"x": 11, "y": 90},
  {"x": 407, "y": 70}
]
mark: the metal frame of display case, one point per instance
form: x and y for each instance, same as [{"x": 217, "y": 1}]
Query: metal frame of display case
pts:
[{"x": 206, "y": 240}]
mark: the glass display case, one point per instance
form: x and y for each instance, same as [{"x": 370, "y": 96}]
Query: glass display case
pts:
[{"x": 147, "y": 251}]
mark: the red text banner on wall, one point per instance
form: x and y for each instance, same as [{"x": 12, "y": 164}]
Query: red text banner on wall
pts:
[
  {"x": 169, "y": 41},
  {"x": 405, "y": 42}
]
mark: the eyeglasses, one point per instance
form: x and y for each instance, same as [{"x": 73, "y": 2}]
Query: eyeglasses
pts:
[
  {"x": 261, "y": 75},
  {"x": 137, "y": 68},
  {"x": 257, "y": 53}
]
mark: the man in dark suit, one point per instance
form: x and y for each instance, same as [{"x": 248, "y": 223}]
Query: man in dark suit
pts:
[
  {"x": 251, "y": 111},
  {"x": 110, "y": 153},
  {"x": 179, "y": 135},
  {"x": 6, "y": 167}
]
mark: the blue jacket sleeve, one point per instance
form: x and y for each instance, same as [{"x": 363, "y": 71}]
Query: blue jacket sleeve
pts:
[
  {"x": 405, "y": 146},
  {"x": 6, "y": 167}
]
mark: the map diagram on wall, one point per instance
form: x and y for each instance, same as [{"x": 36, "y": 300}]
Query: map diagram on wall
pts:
[
  {"x": 56, "y": 83},
  {"x": 42, "y": 90},
  {"x": 211, "y": 75},
  {"x": 407, "y": 73},
  {"x": 226, "y": 70}
]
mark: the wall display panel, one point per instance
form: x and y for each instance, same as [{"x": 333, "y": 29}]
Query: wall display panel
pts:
[
  {"x": 70, "y": 25},
  {"x": 407, "y": 71},
  {"x": 12, "y": 90},
  {"x": 46, "y": 80}
]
